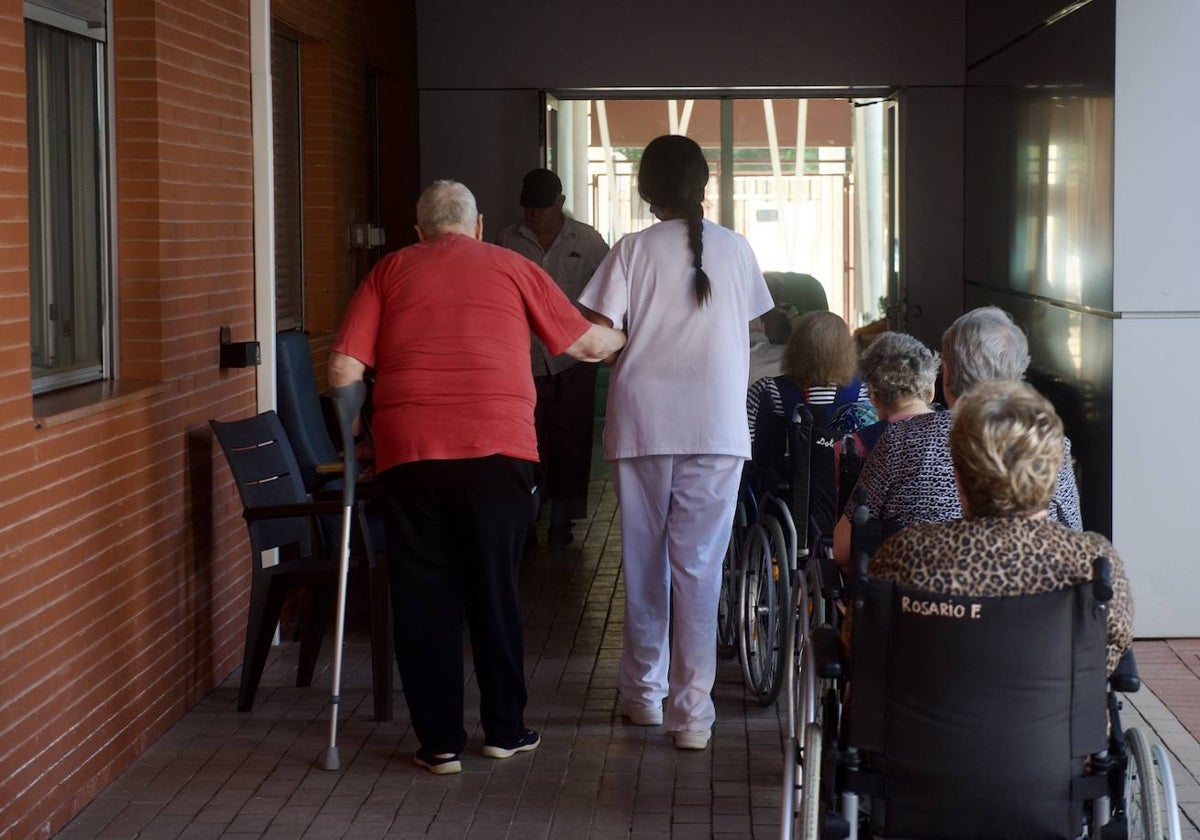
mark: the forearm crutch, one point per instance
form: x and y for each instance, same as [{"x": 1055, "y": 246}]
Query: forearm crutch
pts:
[{"x": 347, "y": 401}]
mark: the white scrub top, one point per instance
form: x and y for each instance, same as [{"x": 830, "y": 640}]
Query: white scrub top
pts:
[{"x": 679, "y": 386}]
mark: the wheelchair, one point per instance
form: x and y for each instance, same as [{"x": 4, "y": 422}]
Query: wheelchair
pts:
[
  {"x": 769, "y": 542},
  {"x": 966, "y": 717}
]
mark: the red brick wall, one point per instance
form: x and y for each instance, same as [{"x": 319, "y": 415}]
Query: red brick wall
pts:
[{"x": 123, "y": 558}]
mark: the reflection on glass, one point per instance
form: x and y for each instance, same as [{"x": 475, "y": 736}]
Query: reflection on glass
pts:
[{"x": 1059, "y": 172}]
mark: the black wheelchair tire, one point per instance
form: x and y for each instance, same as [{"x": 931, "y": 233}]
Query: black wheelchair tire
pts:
[
  {"x": 777, "y": 551},
  {"x": 755, "y": 603},
  {"x": 731, "y": 567}
]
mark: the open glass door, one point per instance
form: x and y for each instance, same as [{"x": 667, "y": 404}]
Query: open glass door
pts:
[
  {"x": 549, "y": 132},
  {"x": 875, "y": 232},
  {"x": 897, "y": 308}
]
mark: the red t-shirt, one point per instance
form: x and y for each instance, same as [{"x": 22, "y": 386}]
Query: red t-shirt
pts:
[{"x": 445, "y": 324}]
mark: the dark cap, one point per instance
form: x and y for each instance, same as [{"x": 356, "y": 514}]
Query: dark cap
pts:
[{"x": 541, "y": 188}]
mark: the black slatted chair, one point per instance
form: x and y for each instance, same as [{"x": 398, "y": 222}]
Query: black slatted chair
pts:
[
  {"x": 280, "y": 514},
  {"x": 300, "y": 411}
]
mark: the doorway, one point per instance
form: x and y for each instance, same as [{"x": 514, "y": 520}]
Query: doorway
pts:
[{"x": 808, "y": 181}]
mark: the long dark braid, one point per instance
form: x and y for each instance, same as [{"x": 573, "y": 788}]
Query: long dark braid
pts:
[
  {"x": 672, "y": 176},
  {"x": 695, "y": 230}
]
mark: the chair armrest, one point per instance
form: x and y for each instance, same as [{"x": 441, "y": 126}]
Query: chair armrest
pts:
[
  {"x": 365, "y": 491},
  {"x": 294, "y": 510},
  {"x": 338, "y": 468}
]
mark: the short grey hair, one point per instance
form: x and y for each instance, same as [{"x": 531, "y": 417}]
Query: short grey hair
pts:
[
  {"x": 984, "y": 344},
  {"x": 446, "y": 207},
  {"x": 897, "y": 367}
]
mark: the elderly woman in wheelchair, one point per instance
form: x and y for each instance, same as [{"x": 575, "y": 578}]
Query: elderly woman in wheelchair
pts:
[
  {"x": 771, "y": 536},
  {"x": 979, "y": 654},
  {"x": 909, "y": 476}
]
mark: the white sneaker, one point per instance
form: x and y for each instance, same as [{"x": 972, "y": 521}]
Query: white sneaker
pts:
[
  {"x": 692, "y": 740},
  {"x": 643, "y": 715}
]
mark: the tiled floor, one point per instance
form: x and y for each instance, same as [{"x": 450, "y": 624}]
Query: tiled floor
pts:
[{"x": 220, "y": 773}]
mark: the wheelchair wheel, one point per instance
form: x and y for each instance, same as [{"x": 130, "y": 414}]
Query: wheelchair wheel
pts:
[
  {"x": 804, "y": 741},
  {"x": 731, "y": 569},
  {"x": 1143, "y": 795},
  {"x": 777, "y": 549},
  {"x": 791, "y": 769},
  {"x": 1166, "y": 780},
  {"x": 761, "y": 603},
  {"x": 756, "y": 605},
  {"x": 810, "y": 785}
]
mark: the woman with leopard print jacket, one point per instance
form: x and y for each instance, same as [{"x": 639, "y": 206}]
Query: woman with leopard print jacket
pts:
[{"x": 1006, "y": 445}]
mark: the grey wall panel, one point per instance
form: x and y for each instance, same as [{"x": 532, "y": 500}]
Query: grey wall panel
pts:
[
  {"x": 487, "y": 140},
  {"x": 992, "y": 25},
  {"x": 1155, "y": 503},
  {"x": 931, "y": 205},
  {"x": 1156, "y": 248},
  {"x": 1157, "y": 179},
  {"x": 544, "y": 44}
]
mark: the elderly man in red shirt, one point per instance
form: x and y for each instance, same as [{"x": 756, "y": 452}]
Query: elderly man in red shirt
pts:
[{"x": 445, "y": 325}]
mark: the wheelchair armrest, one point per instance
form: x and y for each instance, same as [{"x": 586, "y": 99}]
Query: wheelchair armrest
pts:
[
  {"x": 1125, "y": 679},
  {"x": 827, "y": 651},
  {"x": 829, "y": 576}
]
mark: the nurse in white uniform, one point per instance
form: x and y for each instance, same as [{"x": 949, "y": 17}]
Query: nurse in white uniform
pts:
[{"x": 684, "y": 290}]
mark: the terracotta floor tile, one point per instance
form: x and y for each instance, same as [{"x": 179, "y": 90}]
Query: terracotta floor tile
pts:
[{"x": 221, "y": 773}]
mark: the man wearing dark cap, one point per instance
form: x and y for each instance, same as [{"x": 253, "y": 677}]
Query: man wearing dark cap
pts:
[{"x": 569, "y": 251}]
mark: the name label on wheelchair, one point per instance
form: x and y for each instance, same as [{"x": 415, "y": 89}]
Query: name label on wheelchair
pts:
[{"x": 940, "y": 609}]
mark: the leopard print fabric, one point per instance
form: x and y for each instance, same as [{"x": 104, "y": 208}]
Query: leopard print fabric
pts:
[
  {"x": 909, "y": 477},
  {"x": 1004, "y": 556}
]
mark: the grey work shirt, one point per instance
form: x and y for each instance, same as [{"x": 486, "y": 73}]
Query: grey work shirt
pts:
[{"x": 571, "y": 260}]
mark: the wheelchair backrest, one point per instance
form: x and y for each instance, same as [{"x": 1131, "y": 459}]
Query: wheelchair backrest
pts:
[{"x": 975, "y": 716}]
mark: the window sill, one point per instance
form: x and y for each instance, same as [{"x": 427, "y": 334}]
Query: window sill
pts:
[{"x": 70, "y": 404}]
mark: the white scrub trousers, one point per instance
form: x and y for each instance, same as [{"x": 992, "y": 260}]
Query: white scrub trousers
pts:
[{"x": 676, "y": 512}]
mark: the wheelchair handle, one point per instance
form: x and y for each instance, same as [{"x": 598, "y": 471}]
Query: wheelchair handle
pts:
[
  {"x": 348, "y": 401},
  {"x": 859, "y": 559},
  {"x": 1102, "y": 579}
]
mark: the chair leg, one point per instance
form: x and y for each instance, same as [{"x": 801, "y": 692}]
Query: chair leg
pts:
[
  {"x": 319, "y": 611},
  {"x": 266, "y": 603},
  {"x": 382, "y": 649}
]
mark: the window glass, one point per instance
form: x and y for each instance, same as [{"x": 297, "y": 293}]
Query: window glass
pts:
[
  {"x": 289, "y": 239},
  {"x": 67, "y": 206}
]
